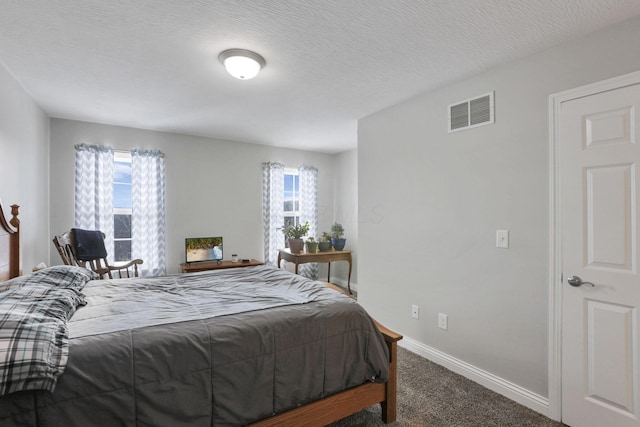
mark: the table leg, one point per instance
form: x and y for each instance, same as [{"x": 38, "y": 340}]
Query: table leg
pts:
[
  {"x": 329, "y": 271},
  {"x": 279, "y": 259},
  {"x": 349, "y": 279},
  {"x": 296, "y": 267}
]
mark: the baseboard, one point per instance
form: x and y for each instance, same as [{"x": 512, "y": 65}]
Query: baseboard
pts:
[
  {"x": 343, "y": 283},
  {"x": 492, "y": 382}
]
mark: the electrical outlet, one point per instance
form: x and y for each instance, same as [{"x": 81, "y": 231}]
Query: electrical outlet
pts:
[
  {"x": 415, "y": 311},
  {"x": 502, "y": 239},
  {"x": 443, "y": 321}
]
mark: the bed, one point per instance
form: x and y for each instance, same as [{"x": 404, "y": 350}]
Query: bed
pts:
[{"x": 249, "y": 346}]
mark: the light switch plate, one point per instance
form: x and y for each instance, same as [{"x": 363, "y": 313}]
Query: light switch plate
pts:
[{"x": 502, "y": 239}]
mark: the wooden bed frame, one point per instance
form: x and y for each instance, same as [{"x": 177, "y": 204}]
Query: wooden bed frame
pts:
[
  {"x": 340, "y": 405},
  {"x": 9, "y": 244},
  {"x": 318, "y": 413}
]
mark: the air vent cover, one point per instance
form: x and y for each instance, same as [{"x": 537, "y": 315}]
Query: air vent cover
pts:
[{"x": 471, "y": 113}]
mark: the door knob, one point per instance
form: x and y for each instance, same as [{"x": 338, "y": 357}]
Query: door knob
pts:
[{"x": 577, "y": 281}]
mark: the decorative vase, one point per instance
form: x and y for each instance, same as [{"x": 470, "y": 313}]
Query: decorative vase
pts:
[
  {"x": 338, "y": 243},
  {"x": 312, "y": 247},
  {"x": 324, "y": 246},
  {"x": 296, "y": 245}
]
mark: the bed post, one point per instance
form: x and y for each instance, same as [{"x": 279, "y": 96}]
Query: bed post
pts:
[
  {"x": 14, "y": 244},
  {"x": 389, "y": 406},
  {"x": 10, "y": 241}
]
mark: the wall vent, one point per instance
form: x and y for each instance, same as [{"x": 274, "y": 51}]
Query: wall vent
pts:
[{"x": 471, "y": 113}]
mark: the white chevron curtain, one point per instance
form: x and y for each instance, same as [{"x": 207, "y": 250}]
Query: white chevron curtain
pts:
[
  {"x": 272, "y": 210},
  {"x": 94, "y": 191},
  {"x": 309, "y": 210},
  {"x": 148, "y": 210}
]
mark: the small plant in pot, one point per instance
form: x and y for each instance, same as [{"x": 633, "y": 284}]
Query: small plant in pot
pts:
[
  {"x": 324, "y": 243},
  {"x": 294, "y": 234},
  {"x": 337, "y": 239},
  {"x": 312, "y": 245}
]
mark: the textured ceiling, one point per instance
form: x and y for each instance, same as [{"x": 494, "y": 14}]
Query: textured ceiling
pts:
[{"x": 153, "y": 64}]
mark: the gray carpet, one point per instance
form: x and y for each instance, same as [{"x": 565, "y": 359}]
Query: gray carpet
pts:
[{"x": 431, "y": 395}]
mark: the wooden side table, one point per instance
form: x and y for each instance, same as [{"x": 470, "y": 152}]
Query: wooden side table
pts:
[
  {"x": 328, "y": 257},
  {"x": 192, "y": 267}
]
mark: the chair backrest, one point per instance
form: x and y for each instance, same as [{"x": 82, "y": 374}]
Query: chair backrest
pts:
[
  {"x": 66, "y": 245},
  {"x": 65, "y": 249}
]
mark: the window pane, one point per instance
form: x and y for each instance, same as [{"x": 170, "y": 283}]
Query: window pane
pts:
[
  {"x": 288, "y": 205},
  {"x": 288, "y": 183},
  {"x": 122, "y": 250},
  {"x": 291, "y": 192},
  {"x": 122, "y": 172},
  {"x": 288, "y": 197},
  {"x": 122, "y": 227},
  {"x": 122, "y": 196},
  {"x": 122, "y": 185},
  {"x": 122, "y": 206}
]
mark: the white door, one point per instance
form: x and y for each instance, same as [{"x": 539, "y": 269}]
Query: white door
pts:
[{"x": 599, "y": 179}]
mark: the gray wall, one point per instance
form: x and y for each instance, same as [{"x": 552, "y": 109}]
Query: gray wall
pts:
[
  {"x": 434, "y": 200},
  {"x": 214, "y": 187},
  {"x": 24, "y": 167}
]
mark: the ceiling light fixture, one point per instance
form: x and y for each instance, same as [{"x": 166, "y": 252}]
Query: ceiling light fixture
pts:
[{"x": 242, "y": 64}]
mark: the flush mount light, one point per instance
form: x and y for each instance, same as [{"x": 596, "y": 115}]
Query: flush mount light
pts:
[{"x": 242, "y": 64}]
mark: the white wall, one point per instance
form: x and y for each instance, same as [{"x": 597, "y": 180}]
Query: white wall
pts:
[
  {"x": 346, "y": 213},
  {"x": 24, "y": 167},
  {"x": 436, "y": 199},
  {"x": 214, "y": 187}
]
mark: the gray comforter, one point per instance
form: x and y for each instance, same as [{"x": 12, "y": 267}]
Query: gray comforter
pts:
[{"x": 216, "y": 348}]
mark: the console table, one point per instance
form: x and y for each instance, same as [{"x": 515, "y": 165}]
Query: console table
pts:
[
  {"x": 192, "y": 267},
  {"x": 328, "y": 257}
]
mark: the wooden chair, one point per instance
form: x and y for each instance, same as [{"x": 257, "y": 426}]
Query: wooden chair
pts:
[{"x": 66, "y": 246}]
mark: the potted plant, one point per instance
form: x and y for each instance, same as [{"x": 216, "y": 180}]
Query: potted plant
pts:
[
  {"x": 294, "y": 234},
  {"x": 324, "y": 242},
  {"x": 337, "y": 239},
  {"x": 312, "y": 245}
]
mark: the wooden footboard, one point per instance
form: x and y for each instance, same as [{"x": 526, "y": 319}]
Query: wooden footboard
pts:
[{"x": 341, "y": 405}]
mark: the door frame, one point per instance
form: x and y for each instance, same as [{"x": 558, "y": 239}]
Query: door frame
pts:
[{"x": 555, "y": 229}]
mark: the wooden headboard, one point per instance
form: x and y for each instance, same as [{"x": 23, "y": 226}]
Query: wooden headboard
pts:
[{"x": 9, "y": 244}]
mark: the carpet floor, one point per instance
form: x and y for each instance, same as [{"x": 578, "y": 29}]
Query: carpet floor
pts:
[{"x": 431, "y": 395}]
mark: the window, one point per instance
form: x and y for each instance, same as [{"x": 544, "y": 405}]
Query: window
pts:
[
  {"x": 122, "y": 194},
  {"x": 122, "y": 206},
  {"x": 291, "y": 198}
]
